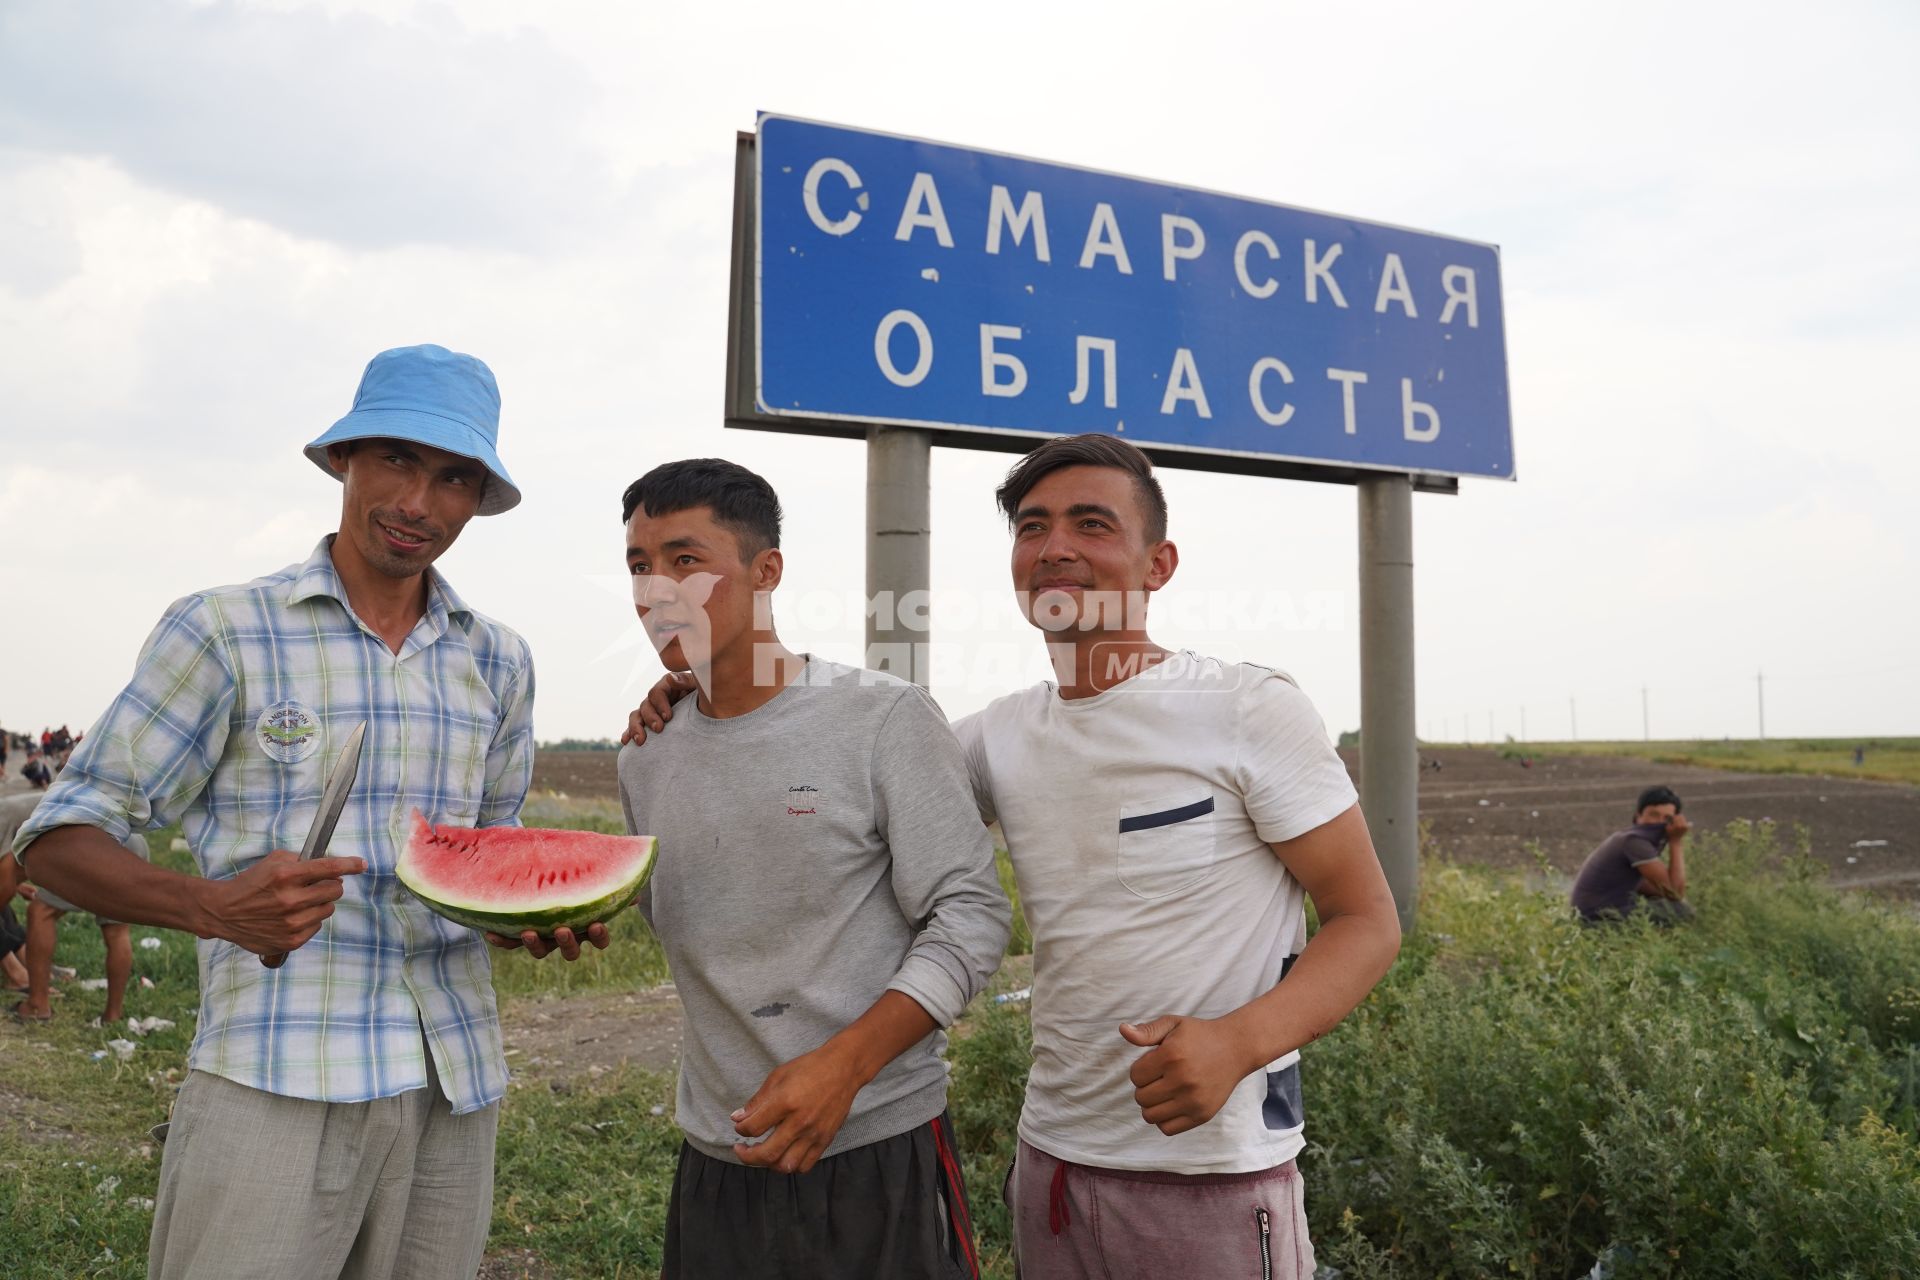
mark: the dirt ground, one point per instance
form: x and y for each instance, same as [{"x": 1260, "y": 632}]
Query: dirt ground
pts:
[
  {"x": 585, "y": 774},
  {"x": 516, "y": 1264},
  {"x": 1483, "y": 809},
  {"x": 560, "y": 1037}
]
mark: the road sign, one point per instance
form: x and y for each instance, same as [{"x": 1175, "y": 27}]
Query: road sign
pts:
[{"x": 994, "y": 300}]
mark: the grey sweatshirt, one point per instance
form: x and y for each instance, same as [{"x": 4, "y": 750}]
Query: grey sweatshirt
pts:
[{"x": 814, "y": 853}]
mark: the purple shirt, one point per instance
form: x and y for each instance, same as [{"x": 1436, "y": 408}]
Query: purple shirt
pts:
[{"x": 1609, "y": 880}]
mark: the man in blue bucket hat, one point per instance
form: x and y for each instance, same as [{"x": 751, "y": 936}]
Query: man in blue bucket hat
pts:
[
  {"x": 339, "y": 1113},
  {"x": 428, "y": 395}
]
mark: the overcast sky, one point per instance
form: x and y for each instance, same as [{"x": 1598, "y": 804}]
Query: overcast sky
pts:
[{"x": 211, "y": 215}]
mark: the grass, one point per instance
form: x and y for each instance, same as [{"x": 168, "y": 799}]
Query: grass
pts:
[
  {"x": 1524, "y": 1097},
  {"x": 582, "y": 1169},
  {"x": 1520, "y": 1097},
  {"x": 582, "y": 1174},
  {"x": 1887, "y": 759},
  {"x": 77, "y": 1167}
]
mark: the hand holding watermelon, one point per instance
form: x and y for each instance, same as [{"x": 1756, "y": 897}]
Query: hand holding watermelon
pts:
[{"x": 563, "y": 941}]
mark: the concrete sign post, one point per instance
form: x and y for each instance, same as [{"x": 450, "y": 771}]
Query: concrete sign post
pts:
[
  {"x": 895, "y": 290},
  {"x": 899, "y": 550},
  {"x": 1389, "y": 751}
]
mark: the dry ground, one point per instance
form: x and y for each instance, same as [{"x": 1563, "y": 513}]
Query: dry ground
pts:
[
  {"x": 1481, "y": 808},
  {"x": 1569, "y": 803},
  {"x": 583, "y": 774}
]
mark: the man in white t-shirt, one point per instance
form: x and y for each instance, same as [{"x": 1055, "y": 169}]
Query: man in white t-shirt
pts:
[{"x": 1168, "y": 814}]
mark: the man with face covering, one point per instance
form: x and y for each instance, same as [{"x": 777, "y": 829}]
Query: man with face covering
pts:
[{"x": 1627, "y": 873}]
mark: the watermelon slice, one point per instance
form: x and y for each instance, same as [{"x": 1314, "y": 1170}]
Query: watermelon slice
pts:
[{"x": 510, "y": 879}]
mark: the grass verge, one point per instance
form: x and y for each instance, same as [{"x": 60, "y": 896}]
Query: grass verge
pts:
[
  {"x": 1520, "y": 1097},
  {"x": 1525, "y": 1097}
]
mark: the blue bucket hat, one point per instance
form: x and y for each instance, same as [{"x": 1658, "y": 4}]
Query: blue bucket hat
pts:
[{"x": 432, "y": 396}]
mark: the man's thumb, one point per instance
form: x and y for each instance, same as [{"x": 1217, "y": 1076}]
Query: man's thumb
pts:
[{"x": 1149, "y": 1033}]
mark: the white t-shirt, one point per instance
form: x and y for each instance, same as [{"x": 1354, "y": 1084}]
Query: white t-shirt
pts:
[{"x": 1139, "y": 821}]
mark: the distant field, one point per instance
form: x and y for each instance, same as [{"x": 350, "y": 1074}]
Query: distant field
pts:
[{"x": 1887, "y": 759}]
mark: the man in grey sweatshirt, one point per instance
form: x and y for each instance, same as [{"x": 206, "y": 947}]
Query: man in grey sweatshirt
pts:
[{"x": 827, "y": 901}]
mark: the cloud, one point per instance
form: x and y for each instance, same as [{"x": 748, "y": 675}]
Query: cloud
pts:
[
  {"x": 38, "y": 246},
  {"x": 211, "y": 216},
  {"x": 345, "y": 128}
]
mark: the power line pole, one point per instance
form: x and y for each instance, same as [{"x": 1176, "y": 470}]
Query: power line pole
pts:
[
  {"x": 1760, "y": 685},
  {"x": 1573, "y": 719},
  {"x": 1646, "y": 724}
]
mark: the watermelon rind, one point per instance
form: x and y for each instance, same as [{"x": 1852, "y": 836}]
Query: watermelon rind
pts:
[
  {"x": 512, "y": 922},
  {"x": 544, "y": 923}
]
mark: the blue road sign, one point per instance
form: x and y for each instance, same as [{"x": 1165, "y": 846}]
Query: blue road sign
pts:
[{"x": 914, "y": 283}]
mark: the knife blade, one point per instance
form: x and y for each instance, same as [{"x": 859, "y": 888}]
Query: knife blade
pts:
[
  {"x": 332, "y": 801},
  {"x": 334, "y": 798}
]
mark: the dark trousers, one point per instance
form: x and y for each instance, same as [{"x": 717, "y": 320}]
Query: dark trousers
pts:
[
  {"x": 12, "y": 936},
  {"x": 895, "y": 1208},
  {"x": 1664, "y": 912}
]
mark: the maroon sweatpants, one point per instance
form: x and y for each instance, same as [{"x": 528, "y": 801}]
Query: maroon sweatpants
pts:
[{"x": 1072, "y": 1222}]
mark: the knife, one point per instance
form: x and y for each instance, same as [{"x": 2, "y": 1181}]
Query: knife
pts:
[{"x": 332, "y": 801}]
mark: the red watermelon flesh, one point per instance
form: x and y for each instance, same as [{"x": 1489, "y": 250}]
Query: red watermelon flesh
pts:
[{"x": 510, "y": 879}]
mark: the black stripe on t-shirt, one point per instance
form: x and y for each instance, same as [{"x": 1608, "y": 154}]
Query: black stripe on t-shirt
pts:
[
  {"x": 1281, "y": 1108},
  {"x": 1167, "y": 817}
]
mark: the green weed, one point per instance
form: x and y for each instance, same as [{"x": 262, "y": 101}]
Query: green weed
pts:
[
  {"x": 1525, "y": 1097},
  {"x": 1521, "y": 1097}
]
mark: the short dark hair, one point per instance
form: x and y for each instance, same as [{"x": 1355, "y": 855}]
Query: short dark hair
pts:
[
  {"x": 1656, "y": 795},
  {"x": 740, "y": 500},
  {"x": 1089, "y": 450}
]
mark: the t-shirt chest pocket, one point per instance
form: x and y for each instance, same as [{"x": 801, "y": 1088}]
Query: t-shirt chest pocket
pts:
[{"x": 1166, "y": 844}]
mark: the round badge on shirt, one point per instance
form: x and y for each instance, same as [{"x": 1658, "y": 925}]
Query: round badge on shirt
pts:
[{"x": 288, "y": 731}]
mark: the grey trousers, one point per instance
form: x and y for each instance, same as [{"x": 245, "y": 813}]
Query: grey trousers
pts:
[{"x": 256, "y": 1185}]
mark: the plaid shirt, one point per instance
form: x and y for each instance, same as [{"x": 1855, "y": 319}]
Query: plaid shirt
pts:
[{"x": 236, "y": 713}]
